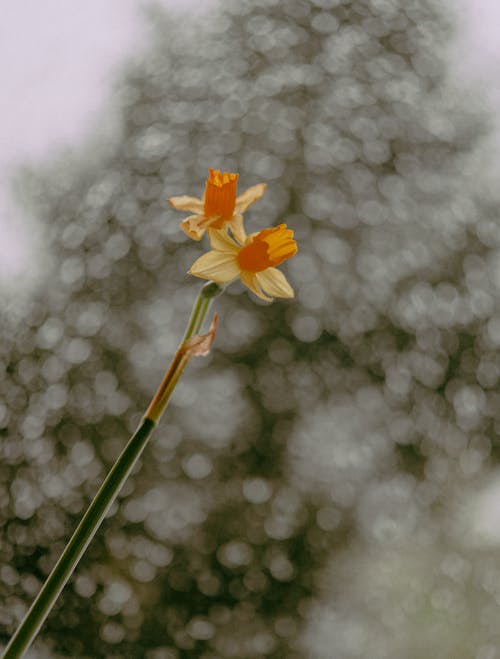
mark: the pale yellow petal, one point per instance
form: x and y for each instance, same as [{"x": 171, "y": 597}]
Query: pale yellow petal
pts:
[
  {"x": 250, "y": 280},
  {"x": 217, "y": 266},
  {"x": 248, "y": 197},
  {"x": 222, "y": 242},
  {"x": 194, "y": 226},
  {"x": 273, "y": 282},
  {"x": 237, "y": 228},
  {"x": 186, "y": 203}
]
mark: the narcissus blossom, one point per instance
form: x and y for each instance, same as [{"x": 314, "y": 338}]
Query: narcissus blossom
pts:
[
  {"x": 219, "y": 207},
  {"x": 254, "y": 261}
]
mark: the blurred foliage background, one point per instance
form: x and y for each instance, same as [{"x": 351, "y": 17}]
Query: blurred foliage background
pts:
[{"x": 326, "y": 483}]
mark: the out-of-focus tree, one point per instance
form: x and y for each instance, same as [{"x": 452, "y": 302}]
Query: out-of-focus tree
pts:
[{"x": 311, "y": 490}]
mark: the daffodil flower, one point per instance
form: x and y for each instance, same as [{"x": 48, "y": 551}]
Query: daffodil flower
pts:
[
  {"x": 254, "y": 261},
  {"x": 219, "y": 207}
]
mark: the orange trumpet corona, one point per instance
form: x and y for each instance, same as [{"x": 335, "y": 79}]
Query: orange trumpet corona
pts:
[
  {"x": 220, "y": 196},
  {"x": 268, "y": 249}
]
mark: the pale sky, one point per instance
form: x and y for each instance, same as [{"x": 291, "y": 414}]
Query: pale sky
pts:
[
  {"x": 57, "y": 61},
  {"x": 478, "y": 44},
  {"x": 57, "y": 64}
]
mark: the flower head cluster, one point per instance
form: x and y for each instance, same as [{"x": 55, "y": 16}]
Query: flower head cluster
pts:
[{"x": 253, "y": 258}]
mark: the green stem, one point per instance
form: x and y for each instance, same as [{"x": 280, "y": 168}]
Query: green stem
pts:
[
  {"x": 201, "y": 307},
  {"x": 79, "y": 542},
  {"x": 102, "y": 502}
]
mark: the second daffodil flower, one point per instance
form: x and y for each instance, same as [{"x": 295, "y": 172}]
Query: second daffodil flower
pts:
[
  {"x": 219, "y": 207},
  {"x": 254, "y": 261}
]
